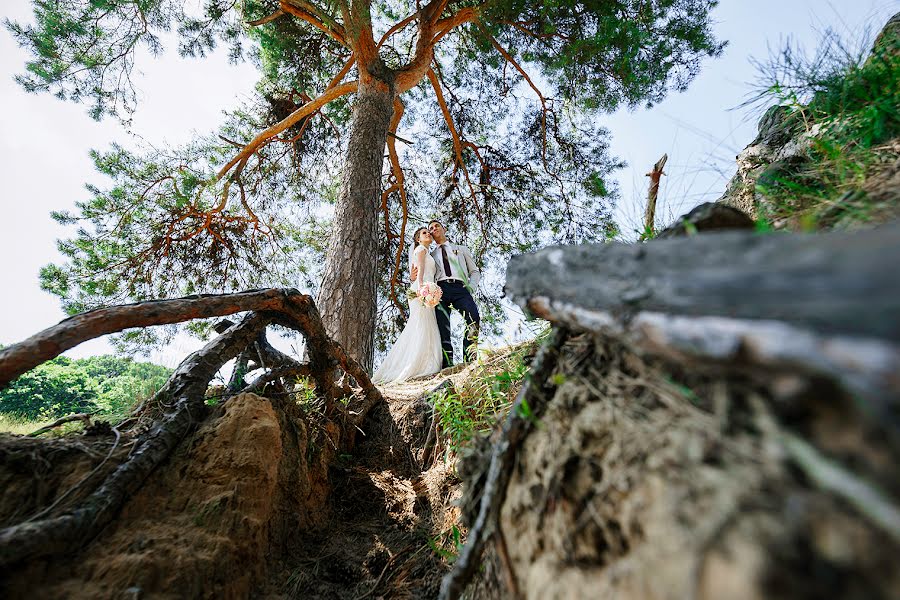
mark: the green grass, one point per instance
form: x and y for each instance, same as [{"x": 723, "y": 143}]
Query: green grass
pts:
[
  {"x": 486, "y": 395},
  {"x": 23, "y": 426},
  {"x": 447, "y": 544},
  {"x": 848, "y": 104}
]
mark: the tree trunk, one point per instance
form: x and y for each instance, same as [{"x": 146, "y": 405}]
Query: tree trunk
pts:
[{"x": 347, "y": 297}]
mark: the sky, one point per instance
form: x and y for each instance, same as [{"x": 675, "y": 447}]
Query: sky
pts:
[{"x": 44, "y": 142}]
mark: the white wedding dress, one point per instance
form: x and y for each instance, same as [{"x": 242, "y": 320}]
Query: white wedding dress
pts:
[{"x": 417, "y": 350}]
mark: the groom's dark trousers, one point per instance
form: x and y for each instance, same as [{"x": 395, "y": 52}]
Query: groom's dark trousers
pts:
[{"x": 456, "y": 295}]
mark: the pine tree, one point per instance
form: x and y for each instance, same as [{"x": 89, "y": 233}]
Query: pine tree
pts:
[{"x": 502, "y": 98}]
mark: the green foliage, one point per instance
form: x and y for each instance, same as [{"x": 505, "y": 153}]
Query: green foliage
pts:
[
  {"x": 305, "y": 396},
  {"x": 485, "y": 395},
  {"x": 533, "y": 169},
  {"x": 847, "y": 102},
  {"x": 606, "y": 54},
  {"x": 108, "y": 385},
  {"x": 447, "y": 544}
]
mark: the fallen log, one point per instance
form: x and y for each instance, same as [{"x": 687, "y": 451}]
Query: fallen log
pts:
[
  {"x": 821, "y": 304},
  {"x": 672, "y": 455}
]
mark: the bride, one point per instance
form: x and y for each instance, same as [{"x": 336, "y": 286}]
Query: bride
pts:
[{"x": 417, "y": 350}]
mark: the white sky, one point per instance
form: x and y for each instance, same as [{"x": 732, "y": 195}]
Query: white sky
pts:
[{"x": 44, "y": 142}]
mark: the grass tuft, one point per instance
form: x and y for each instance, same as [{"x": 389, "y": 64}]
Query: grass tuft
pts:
[
  {"x": 485, "y": 395},
  {"x": 846, "y": 104}
]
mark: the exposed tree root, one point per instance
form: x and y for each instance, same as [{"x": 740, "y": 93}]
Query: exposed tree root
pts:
[
  {"x": 85, "y": 419},
  {"x": 180, "y": 403}
]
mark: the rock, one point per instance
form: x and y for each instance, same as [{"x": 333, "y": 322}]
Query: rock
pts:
[
  {"x": 708, "y": 217},
  {"x": 780, "y": 140},
  {"x": 888, "y": 40},
  {"x": 782, "y": 144}
]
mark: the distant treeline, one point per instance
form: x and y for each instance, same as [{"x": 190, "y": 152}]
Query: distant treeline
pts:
[{"x": 103, "y": 384}]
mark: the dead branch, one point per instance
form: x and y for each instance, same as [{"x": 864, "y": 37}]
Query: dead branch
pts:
[
  {"x": 870, "y": 501},
  {"x": 85, "y": 418},
  {"x": 655, "y": 175}
]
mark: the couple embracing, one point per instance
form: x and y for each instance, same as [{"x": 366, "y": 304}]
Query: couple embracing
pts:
[{"x": 424, "y": 346}]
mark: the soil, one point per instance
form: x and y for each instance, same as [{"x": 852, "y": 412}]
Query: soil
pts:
[
  {"x": 645, "y": 480},
  {"x": 257, "y": 502},
  {"x": 642, "y": 480}
]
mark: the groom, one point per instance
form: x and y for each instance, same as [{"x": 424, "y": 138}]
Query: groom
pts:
[{"x": 457, "y": 276}]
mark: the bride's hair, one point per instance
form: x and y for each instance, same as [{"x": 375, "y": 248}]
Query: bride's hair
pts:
[
  {"x": 416, "y": 236},
  {"x": 415, "y": 243}
]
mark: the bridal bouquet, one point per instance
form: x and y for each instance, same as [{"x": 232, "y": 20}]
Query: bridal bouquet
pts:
[{"x": 429, "y": 294}]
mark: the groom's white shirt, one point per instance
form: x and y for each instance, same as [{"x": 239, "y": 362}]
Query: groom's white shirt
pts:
[{"x": 462, "y": 265}]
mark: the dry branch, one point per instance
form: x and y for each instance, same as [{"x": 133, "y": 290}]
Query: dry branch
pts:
[
  {"x": 85, "y": 418},
  {"x": 655, "y": 175}
]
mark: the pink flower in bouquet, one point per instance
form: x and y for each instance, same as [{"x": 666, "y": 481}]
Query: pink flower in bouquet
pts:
[{"x": 430, "y": 294}]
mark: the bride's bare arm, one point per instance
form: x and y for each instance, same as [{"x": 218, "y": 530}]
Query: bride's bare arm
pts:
[{"x": 420, "y": 264}]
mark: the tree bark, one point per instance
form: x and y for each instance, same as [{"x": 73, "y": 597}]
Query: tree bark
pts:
[
  {"x": 820, "y": 305},
  {"x": 347, "y": 296}
]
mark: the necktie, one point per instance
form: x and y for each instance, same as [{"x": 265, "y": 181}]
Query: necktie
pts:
[{"x": 447, "y": 270}]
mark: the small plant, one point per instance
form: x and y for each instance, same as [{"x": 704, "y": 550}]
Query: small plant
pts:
[
  {"x": 484, "y": 396},
  {"x": 647, "y": 234},
  {"x": 447, "y": 544},
  {"x": 304, "y": 394}
]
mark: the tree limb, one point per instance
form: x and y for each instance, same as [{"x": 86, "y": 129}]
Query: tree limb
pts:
[
  {"x": 316, "y": 17},
  {"x": 275, "y": 15},
  {"x": 508, "y": 57},
  {"x": 444, "y": 26},
  {"x": 400, "y": 187},
  {"x": 457, "y": 142},
  {"x": 307, "y": 109}
]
